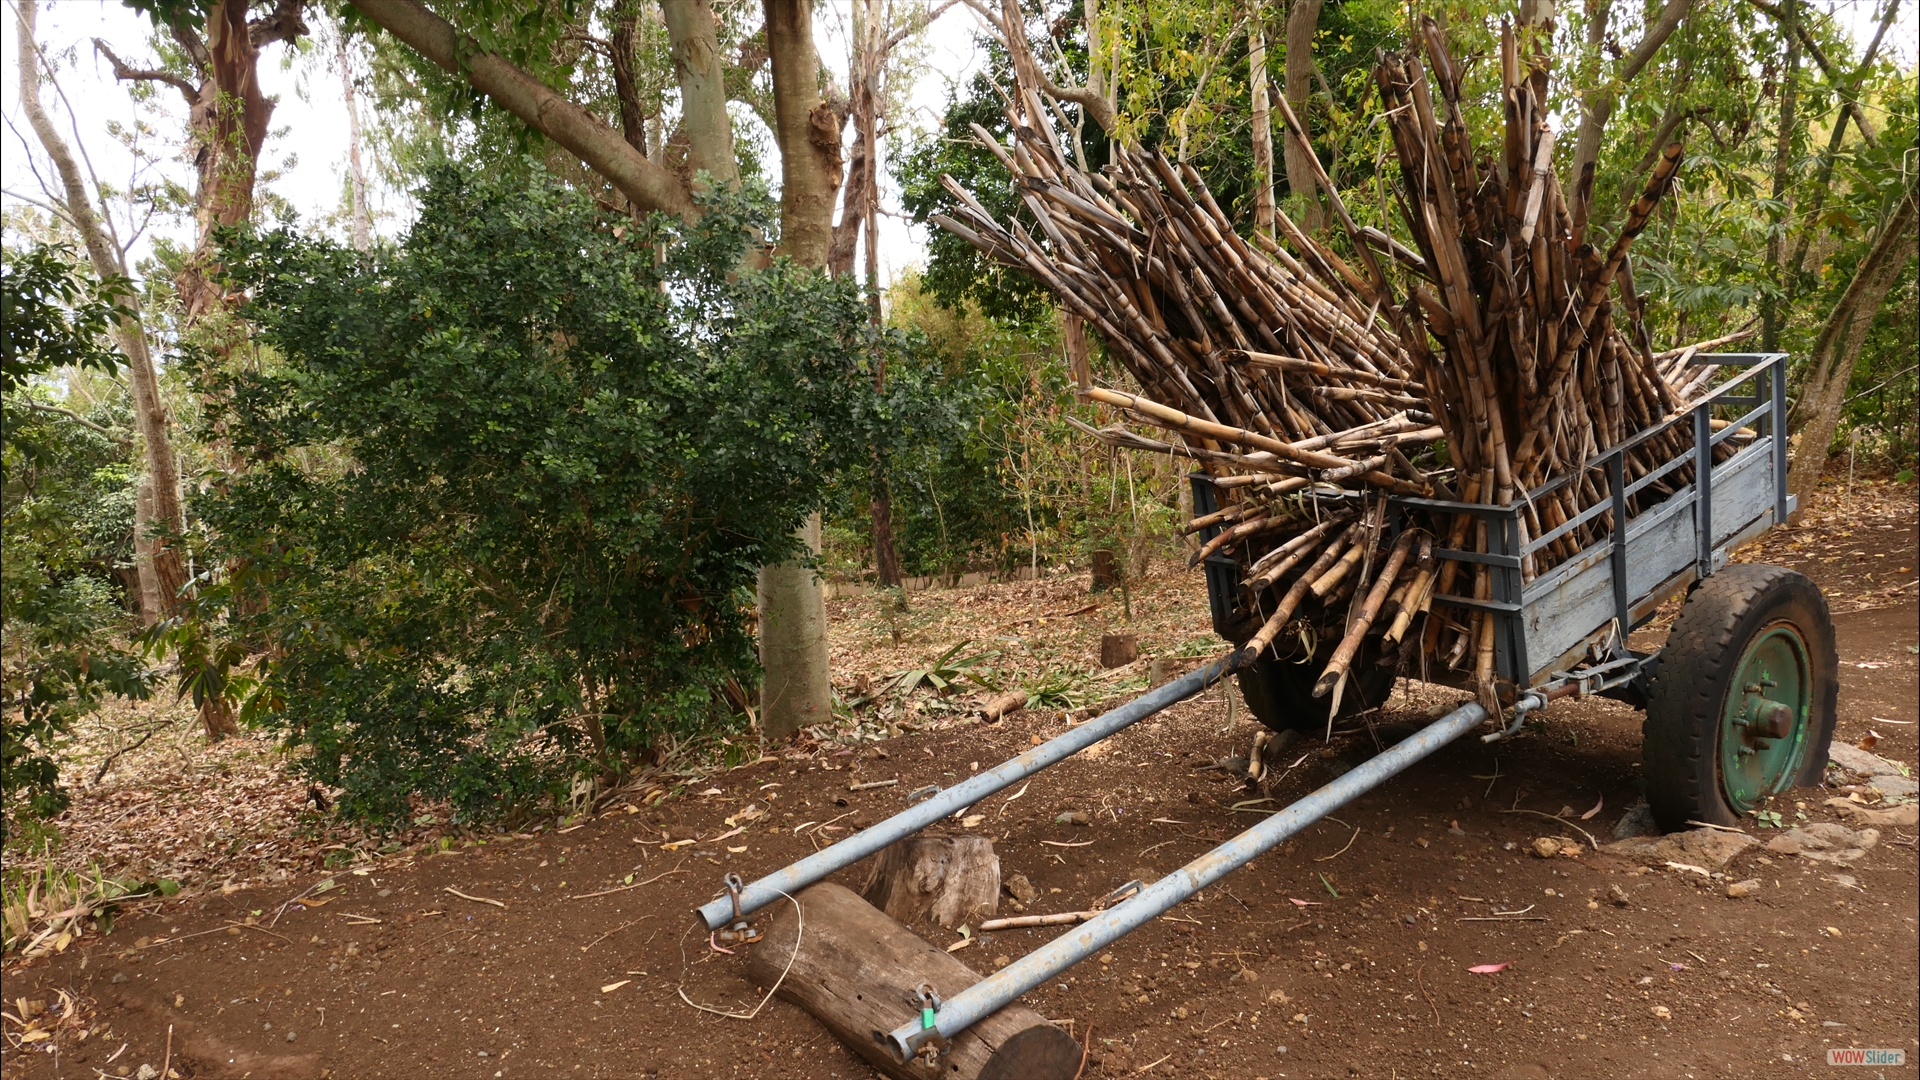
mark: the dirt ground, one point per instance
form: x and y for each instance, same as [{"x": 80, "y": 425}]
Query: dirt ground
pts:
[{"x": 568, "y": 952}]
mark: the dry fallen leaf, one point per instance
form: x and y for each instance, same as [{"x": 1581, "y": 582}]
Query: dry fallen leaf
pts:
[
  {"x": 611, "y": 987},
  {"x": 737, "y": 850},
  {"x": 1487, "y": 969},
  {"x": 1597, "y": 807},
  {"x": 972, "y": 820}
]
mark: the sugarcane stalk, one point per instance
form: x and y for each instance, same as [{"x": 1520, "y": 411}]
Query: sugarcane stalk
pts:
[{"x": 1362, "y": 621}]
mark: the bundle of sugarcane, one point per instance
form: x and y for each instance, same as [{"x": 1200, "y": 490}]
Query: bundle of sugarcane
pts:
[{"x": 1308, "y": 391}]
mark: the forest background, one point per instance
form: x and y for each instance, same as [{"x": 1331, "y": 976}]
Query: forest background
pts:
[{"x": 507, "y": 463}]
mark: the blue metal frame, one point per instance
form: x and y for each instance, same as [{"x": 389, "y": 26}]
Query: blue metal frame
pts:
[
  {"x": 1507, "y": 550},
  {"x": 744, "y": 901}
]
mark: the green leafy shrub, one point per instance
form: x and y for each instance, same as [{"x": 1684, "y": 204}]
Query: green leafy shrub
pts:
[
  {"x": 58, "y": 656},
  {"x": 512, "y": 481}
]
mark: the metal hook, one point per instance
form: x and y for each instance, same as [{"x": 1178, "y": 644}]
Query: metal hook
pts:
[
  {"x": 734, "y": 886},
  {"x": 1120, "y": 894},
  {"x": 929, "y": 1001}
]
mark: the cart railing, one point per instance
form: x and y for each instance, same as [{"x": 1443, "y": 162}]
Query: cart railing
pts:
[{"x": 1547, "y": 623}]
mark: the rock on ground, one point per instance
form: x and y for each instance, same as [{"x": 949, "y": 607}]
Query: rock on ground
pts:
[
  {"x": 1823, "y": 841},
  {"x": 1637, "y": 821},
  {"x": 1907, "y": 815},
  {"x": 1710, "y": 848},
  {"x": 1877, "y": 770}
]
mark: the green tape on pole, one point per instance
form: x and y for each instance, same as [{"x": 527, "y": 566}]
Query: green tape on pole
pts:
[{"x": 926, "y": 1018}]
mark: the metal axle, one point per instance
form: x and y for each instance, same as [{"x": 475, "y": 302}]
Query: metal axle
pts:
[
  {"x": 992, "y": 993},
  {"x": 745, "y": 901}
]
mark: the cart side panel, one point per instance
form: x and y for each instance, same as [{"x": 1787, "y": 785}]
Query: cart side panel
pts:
[{"x": 1573, "y": 605}]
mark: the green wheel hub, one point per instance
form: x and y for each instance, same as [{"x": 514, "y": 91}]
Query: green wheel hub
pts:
[{"x": 1763, "y": 724}]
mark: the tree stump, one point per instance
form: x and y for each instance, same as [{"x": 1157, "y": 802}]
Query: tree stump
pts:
[
  {"x": 949, "y": 879},
  {"x": 1106, "y": 570},
  {"x": 857, "y": 971},
  {"x": 1119, "y": 650}
]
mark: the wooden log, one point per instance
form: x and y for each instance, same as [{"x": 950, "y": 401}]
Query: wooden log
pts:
[
  {"x": 948, "y": 879},
  {"x": 1119, "y": 650},
  {"x": 1001, "y": 706},
  {"x": 857, "y": 972}
]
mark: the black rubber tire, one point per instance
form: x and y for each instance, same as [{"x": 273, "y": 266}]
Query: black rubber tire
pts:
[
  {"x": 1697, "y": 668},
  {"x": 1279, "y": 690}
]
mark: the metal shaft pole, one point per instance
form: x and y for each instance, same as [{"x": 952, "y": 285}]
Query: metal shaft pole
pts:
[
  {"x": 766, "y": 890},
  {"x": 990, "y": 994}
]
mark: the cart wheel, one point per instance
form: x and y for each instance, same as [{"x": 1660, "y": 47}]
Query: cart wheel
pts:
[
  {"x": 1743, "y": 701},
  {"x": 1279, "y": 690}
]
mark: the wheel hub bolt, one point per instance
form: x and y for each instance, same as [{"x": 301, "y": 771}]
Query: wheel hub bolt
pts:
[{"x": 1769, "y": 719}]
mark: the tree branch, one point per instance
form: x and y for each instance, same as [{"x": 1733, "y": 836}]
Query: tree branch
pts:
[
  {"x": 285, "y": 24},
  {"x": 124, "y": 73},
  {"x": 915, "y": 25},
  {"x": 192, "y": 44},
  {"x": 1013, "y": 35},
  {"x": 1598, "y": 104},
  {"x": 1656, "y": 36},
  {"x": 647, "y": 185},
  {"x": 1827, "y": 68},
  {"x": 120, "y": 437}
]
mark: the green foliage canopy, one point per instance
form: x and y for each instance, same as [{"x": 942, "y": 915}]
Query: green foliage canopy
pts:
[{"x": 512, "y": 481}]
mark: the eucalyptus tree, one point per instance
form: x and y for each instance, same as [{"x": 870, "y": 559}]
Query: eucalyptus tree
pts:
[
  {"x": 76, "y": 196},
  {"x": 214, "y": 65}
]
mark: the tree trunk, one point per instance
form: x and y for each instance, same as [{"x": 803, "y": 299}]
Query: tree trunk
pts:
[
  {"x": 153, "y": 602},
  {"x": 163, "y": 570},
  {"x": 1835, "y": 351},
  {"x": 703, "y": 90},
  {"x": 793, "y": 616},
  {"x": 1772, "y": 312},
  {"x": 229, "y": 122},
  {"x": 362, "y": 220},
  {"x": 858, "y": 973},
  {"x": 864, "y": 110},
  {"x": 951, "y": 880},
  {"x": 886, "y": 558},
  {"x": 1796, "y": 268},
  {"x": 1262, "y": 122},
  {"x": 793, "y": 644},
  {"x": 1303, "y": 19},
  {"x": 622, "y": 49},
  {"x": 808, "y": 133}
]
